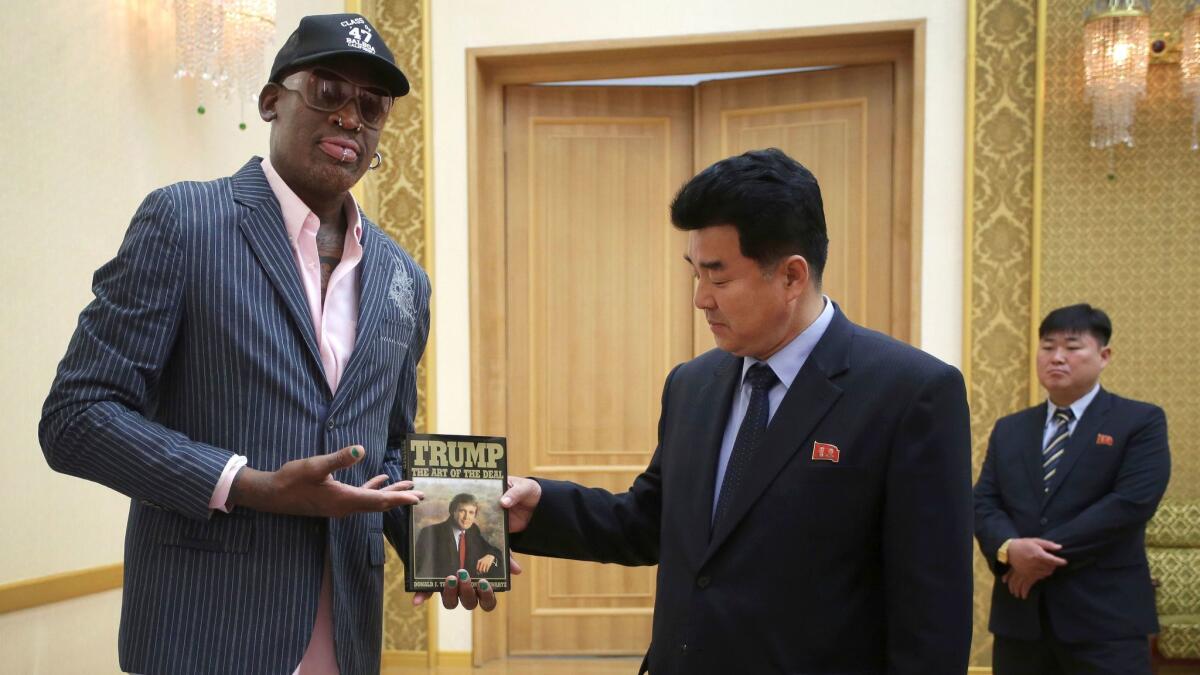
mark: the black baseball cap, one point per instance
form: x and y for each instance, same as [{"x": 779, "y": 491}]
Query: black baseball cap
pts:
[{"x": 321, "y": 36}]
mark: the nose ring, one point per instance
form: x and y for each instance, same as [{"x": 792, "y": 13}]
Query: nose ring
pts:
[{"x": 342, "y": 126}]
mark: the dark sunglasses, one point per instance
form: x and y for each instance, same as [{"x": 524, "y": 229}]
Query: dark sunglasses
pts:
[{"x": 327, "y": 91}]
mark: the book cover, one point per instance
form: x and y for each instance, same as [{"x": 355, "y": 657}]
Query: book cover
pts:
[{"x": 460, "y": 523}]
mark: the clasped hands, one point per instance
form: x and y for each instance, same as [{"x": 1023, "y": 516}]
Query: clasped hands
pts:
[{"x": 1030, "y": 560}]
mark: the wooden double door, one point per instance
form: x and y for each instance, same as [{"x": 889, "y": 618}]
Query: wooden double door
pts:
[{"x": 599, "y": 299}]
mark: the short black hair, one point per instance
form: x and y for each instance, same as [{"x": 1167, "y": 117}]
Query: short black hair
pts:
[
  {"x": 463, "y": 498},
  {"x": 772, "y": 200},
  {"x": 1081, "y": 318}
]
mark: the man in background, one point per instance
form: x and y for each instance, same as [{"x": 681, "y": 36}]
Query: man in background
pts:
[
  {"x": 809, "y": 502},
  {"x": 1060, "y": 513},
  {"x": 245, "y": 375}
]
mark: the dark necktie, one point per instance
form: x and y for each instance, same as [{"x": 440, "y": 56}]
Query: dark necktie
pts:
[
  {"x": 462, "y": 550},
  {"x": 761, "y": 378},
  {"x": 1053, "y": 453}
]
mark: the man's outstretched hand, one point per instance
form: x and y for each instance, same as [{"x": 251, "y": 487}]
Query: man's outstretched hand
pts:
[
  {"x": 306, "y": 487},
  {"x": 521, "y": 499}
]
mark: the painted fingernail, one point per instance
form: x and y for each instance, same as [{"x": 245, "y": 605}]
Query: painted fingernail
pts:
[
  {"x": 483, "y": 586},
  {"x": 452, "y": 583},
  {"x": 354, "y": 452},
  {"x": 462, "y": 574}
]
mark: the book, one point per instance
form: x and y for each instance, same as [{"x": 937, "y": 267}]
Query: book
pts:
[{"x": 460, "y": 523}]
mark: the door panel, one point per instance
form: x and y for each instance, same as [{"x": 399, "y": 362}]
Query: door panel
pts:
[
  {"x": 838, "y": 123},
  {"x": 599, "y": 310}
]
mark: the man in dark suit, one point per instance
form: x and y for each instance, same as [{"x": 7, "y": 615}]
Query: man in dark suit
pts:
[
  {"x": 808, "y": 504},
  {"x": 457, "y": 543},
  {"x": 1060, "y": 513},
  {"x": 245, "y": 375}
]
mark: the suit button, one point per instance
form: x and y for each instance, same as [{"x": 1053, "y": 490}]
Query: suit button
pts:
[
  {"x": 331, "y": 426},
  {"x": 703, "y": 582},
  {"x": 1043, "y": 521}
]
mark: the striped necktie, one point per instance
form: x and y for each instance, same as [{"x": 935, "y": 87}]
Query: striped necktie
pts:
[{"x": 1053, "y": 453}]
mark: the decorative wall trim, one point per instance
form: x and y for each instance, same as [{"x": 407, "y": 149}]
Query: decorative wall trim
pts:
[
  {"x": 26, "y": 593},
  {"x": 403, "y": 658},
  {"x": 453, "y": 659},
  {"x": 1004, "y": 112},
  {"x": 398, "y": 197},
  {"x": 1039, "y": 145}
]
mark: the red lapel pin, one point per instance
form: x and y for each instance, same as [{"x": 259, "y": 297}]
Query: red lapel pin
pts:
[
  {"x": 827, "y": 452},
  {"x": 1104, "y": 439}
]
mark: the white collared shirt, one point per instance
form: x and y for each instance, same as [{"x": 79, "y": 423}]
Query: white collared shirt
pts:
[
  {"x": 786, "y": 364},
  {"x": 1078, "y": 407}
]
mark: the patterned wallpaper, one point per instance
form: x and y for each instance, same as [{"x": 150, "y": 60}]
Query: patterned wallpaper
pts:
[
  {"x": 394, "y": 196},
  {"x": 1002, "y": 215},
  {"x": 1130, "y": 244}
]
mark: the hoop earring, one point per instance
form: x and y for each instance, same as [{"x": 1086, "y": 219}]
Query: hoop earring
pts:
[{"x": 378, "y": 161}]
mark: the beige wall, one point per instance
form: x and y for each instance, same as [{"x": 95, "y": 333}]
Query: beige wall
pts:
[
  {"x": 95, "y": 121},
  {"x": 462, "y": 24},
  {"x": 67, "y": 638}
]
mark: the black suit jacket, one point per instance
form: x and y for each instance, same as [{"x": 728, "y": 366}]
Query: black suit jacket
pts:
[
  {"x": 859, "y": 566},
  {"x": 437, "y": 552},
  {"x": 1111, "y": 478}
]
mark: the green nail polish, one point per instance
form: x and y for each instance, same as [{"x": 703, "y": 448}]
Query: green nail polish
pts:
[
  {"x": 462, "y": 574},
  {"x": 483, "y": 585},
  {"x": 452, "y": 583},
  {"x": 354, "y": 452}
]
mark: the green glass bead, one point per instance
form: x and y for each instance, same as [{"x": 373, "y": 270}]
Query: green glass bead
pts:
[
  {"x": 242, "y": 126},
  {"x": 200, "y": 110}
]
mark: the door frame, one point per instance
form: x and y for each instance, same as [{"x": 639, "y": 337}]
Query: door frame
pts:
[{"x": 490, "y": 69}]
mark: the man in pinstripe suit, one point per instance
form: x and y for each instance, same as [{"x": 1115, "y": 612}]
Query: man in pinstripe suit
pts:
[{"x": 245, "y": 375}]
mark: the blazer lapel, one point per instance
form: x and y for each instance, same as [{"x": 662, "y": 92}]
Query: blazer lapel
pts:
[
  {"x": 703, "y": 435},
  {"x": 807, "y": 401},
  {"x": 263, "y": 228},
  {"x": 1082, "y": 439},
  {"x": 372, "y": 293}
]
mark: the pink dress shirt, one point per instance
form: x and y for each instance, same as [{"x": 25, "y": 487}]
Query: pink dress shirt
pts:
[{"x": 335, "y": 320}]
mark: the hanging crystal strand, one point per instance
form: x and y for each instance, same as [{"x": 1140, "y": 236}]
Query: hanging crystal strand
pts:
[
  {"x": 1116, "y": 58},
  {"x": 246, "y": 24},
  {"x": 197, "y": 25},
  {"x": 1111, "y": 151},
  {"x": 1189, "y": 65},
  {"x": 222, "y": 42}
]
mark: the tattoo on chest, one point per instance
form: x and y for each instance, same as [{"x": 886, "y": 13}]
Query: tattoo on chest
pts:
[{"x": 330, "y": 240}]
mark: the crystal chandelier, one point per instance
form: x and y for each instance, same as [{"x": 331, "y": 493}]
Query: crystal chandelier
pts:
[
  {"x": 1189, "y": 64},
  {"x": 222, "y": 42},
  {"x": 1115, "y": 59}
]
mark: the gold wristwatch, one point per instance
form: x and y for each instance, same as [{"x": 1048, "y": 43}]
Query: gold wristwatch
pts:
[{"x": 1002, "y": 552}]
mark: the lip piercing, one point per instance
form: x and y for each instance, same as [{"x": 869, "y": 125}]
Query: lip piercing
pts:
[
  {"x": 342, "y": 126},
  {"x": 345, "y": 152}
]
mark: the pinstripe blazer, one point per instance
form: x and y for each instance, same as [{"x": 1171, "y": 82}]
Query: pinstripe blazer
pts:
[{"x": 199, "y": 345}]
